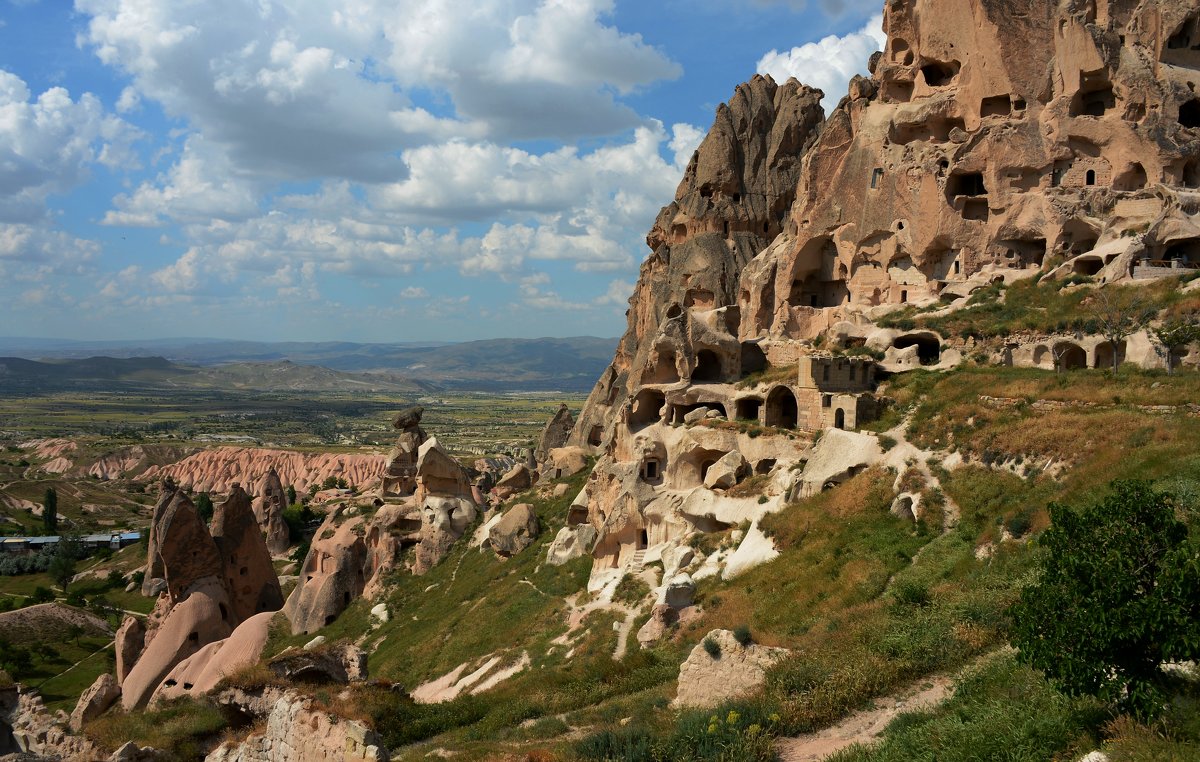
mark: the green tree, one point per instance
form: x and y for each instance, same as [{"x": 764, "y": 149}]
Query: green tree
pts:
[
  {"x": 1118, "y": 596},
  {"x": 1175, "y": 335},
  {"x": 1119, "y": 313},
  {"x": 50, "y": 511},
  {"x": 204, "y": 507},
  {"x": 291, "y": 494},
  {"x": 62, "y": 566}
]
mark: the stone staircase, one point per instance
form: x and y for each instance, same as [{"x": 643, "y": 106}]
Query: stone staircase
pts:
[{"x": 638, "y": 562}]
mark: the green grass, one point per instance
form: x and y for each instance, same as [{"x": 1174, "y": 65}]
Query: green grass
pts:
[{"x": 179, "y": 730}]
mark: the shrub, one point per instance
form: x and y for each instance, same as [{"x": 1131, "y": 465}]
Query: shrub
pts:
[
  {"x": 41, "y": 595},
  {"x": 631, "y": 590},
  {"x": 741, "y": 634},
  {"x": 712, "y": 648},
  {"x": 886, "y": 442}
]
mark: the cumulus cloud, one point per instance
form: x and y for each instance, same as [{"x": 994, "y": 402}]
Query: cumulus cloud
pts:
[
  {"x": 49, "y": 142},
  {"x": 829, "y": 63},
  {"x": 32, "y": 251}
]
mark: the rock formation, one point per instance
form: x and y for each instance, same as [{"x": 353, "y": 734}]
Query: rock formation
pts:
[
  {"x": 400, "y": 471},
  {"x": 249, "y": 575},
  {"x": 95, "y": 700},
  {"x": 268, "y": 511},
  {"x": 208, "y": 585},
  {"x": 334, "y": 573},
  {"x": 736, "y": 670},
  {"x": 297, "y": 729},
  {"x": 555, "y": 433},
  {"x": 993, "y": 142},
  {"x": 217, "y": 469},
  {"x": 515, "y": 531}
]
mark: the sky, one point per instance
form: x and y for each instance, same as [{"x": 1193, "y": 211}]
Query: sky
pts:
[{"x": 362, "y": 170}]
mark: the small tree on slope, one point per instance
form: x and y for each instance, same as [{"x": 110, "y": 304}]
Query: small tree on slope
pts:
[
  {"x": 1120, "y": 312},
  {"x": 50, "y": 511},
  {"x": 1175, "y": 335},
  {"x": 1119, "y": 596}
]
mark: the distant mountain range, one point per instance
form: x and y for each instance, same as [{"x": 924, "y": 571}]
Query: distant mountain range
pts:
[{"x": 547, "y": 364}]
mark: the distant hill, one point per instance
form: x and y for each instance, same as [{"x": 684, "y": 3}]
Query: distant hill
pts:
[
  {"x": 19, "y": 374},
  {"x": 545, "y": 364}
]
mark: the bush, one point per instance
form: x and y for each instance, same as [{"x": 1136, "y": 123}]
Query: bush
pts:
[
  {"x": 115, "y": 578},
  {"x": 1119, "y": 596},
  {"x": 741, "y": 634},
  {"x": 41, "y": 595},
  {"x": 712, "y": 647},
  {"x": 631, "y": 590}
]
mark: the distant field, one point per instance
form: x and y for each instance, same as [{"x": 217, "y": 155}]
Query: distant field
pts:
[{"x": 467, "y": 422}]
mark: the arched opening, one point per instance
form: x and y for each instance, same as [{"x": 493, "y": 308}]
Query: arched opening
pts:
[
  {"x": 902, "y": 507},
  {"x": 647, "y": 408},
  {"x": 903, "y": 297},
  {"x": 782, "y": 410},
  {"x": 939, "y": 73},
  {"x": 708, "y": 366},
  {"x": 929, "y": 347},
  {"x": 643, "y": 539},
  {"x": 680, "y": 412},
  {"x": 747, "y": 408},
  {"x": 1189, "y": 114},
  {"x": 764, "y": 466},
  {"x": 594, "y": 435},
  {"x": 674, "y": 311},
  {"x": 1089, "y": 177},
  {"x": 753, "y": 358},
  {"x": 1133, "y": 178},
  {"x": 1104, "y": 355},
  {"x": 1184, "y": 251},
  {"x": 1070, "y": 356},
  {"x": 839, "y": 419}
]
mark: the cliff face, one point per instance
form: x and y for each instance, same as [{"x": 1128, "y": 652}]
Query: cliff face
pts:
[
  {"x": 218, "y": 469},
  {"x": 733, "y": 200},
  {"x": 995, "y": 140}
]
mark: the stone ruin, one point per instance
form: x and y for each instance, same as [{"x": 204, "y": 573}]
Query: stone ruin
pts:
[{"x": 993, "y": 142}]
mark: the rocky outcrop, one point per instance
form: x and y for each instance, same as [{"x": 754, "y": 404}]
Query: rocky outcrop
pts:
[
  {"x": 34, "y": 731},
  {"x": 736, "y": 670},
  {"x": 95, "y": 700},
  {"x": 515, "y": 532},
  {"x": 249, "y": 574},
  {"x": 131, "y": 638},
  {"x": 216, "y": 470},
  {"x": 201, "y": 672},
  {"x": 400, "y": 471},
  {"x": 343, "y": 664},
  {"x": 570, "y": 543},
  {"x": 334, "y": 573},
  {"x": 298, "y": 730},
  {"x": 131, "y": 462},
  {"x": 209, "y": 583},
  {"x": 555, "y": 433},
  {"x": 269, "y": 507}
]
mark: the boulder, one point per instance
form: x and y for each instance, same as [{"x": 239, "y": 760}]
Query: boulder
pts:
[
  {"x": 248, "y": 572},
  {"x": 662, "y": 618},
  {"x": 725, "y": 472},
  {"x": 518, "y": 479},
  {"x": 737, "y": 671},
  {"x": 515, "y": 532},
  {"x": 570, "y": 543},
  {"x": 678, "y": 592},
  {"x": 95, "y": 700}
]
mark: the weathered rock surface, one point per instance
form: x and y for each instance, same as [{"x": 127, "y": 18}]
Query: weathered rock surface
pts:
[
  {"x": 250, "y": 576},
  {"x": 269, "y": 507},
  {"x": 181, "y": 551},
  {"x": 131, "y": 638},
  {"x": 738, "y": 671},
  {"x": 400, "y": 470},
  {"x": 297, "y": 730},
  {"x": 515, "y": 532},
  {"x": 555, "y": 433},
  {"x": 334, "y": 573},
  {"x": 95, "y": 700},
  {"x": 35, "y": 732},
  {"x": 216, "y": 469},
  {"x": 570, "y": 543},
  {"x": 344, "y": 664},
  {"x": 202, "y": 671}
]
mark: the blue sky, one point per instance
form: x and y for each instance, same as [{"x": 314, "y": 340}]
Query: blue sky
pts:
[{"x": 364, "y": 170}]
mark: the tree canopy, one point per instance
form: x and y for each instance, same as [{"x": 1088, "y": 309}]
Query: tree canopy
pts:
[{"x": 1118, "y": 597}]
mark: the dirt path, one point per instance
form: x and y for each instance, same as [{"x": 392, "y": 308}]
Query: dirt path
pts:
[{"x": 866, "y": 726}]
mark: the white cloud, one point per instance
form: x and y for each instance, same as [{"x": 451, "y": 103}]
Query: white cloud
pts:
[
  {"x": 829, "y": 63},
  {"x": 49, "y": 142},
  {"x": 414, "y": 292},
  {"x": 129, "y": 100},
  {"x": 33, "y": 251}
]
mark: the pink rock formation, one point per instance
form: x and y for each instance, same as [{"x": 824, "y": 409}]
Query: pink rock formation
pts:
[
  {"x": 95, "y": 700},
  {"x": 200, "y": 673},
  {"x": 131, "y": 638},
  {"x": 217, "y": 469},
  {"x": 181, "y": 551}
]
